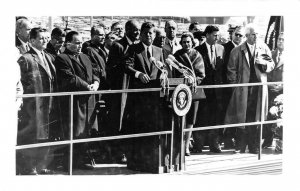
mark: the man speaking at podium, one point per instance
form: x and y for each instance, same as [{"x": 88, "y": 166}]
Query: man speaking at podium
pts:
[{"x": 146, "y": 111}]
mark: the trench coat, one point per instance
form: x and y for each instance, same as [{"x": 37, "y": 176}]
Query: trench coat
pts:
[
  {"x": 239, "y": 72},
  {"x": 35, "y": 116},
  {"x": 75, "y": 75}
]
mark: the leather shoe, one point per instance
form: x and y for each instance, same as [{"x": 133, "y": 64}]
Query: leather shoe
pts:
[
  {"x": 46, "y": 171},
  {"x": 215, "y": 150}
]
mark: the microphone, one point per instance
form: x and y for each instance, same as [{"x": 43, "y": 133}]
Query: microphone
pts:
[
  {"x": 171, "y": 57},
  {"x": 172, "y": 64},
  {"x": 158, "y": 64}
]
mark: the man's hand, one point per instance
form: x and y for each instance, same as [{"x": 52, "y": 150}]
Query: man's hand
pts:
[
  {"x": 94, "y": 86},
  {"x": 144, "y": 78}
]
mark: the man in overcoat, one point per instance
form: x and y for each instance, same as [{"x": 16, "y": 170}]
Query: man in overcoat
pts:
[
  {"x": 75, "y": 73},
  {"x": 37, "y": 117},
  {"x": 248, "y": 63},
  {"x": 229, "y": 134}
]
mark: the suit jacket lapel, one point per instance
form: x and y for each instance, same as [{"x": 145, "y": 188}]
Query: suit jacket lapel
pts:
[
  {"x": 75, "y": 61},
  {"x": 37, "y": 59},
  {"x": 148, "y": 64},
  {"x": 206, "y": 57},
  {"x": 246, "y": 54},
  {"x": 82, "y": 63},
  {"x": 280, "y": 63},
  {"x": 51, "y": 66}
]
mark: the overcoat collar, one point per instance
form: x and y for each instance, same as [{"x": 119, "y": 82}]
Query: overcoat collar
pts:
[
  {"x": 257, "y": 51},
  {"x": 37, "y": 59},
  {"x": 280, "y": 63},
  {"x": 72, "y": 57}
]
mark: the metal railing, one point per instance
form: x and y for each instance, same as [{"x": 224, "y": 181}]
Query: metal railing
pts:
[{"x": 86, "y": 140}]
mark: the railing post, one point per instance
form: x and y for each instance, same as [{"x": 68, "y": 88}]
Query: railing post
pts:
[
  {"x": 182, "y": 143},
  {"x": 71, "y": 134},
  {"x": 262, "y": 119},
  {"x": 172, "y": 144}
]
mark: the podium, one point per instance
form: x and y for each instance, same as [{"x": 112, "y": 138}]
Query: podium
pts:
[{"x": 153, "y": 112}]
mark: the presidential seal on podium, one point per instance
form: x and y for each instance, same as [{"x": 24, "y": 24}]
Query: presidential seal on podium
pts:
[{"x": 181, "y": 99}]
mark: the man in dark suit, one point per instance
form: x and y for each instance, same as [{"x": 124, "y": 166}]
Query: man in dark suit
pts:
[
  {"x": 98, "y": 38},
  {"x": 75, "y": 73},
  {"x": 212, "y": 54},
  {"x": 56, "y": 42},
  {"x": 115, "y": 70},
  {"x": 37, "y": 117},
  {"x": 171, "y": 43},
  {"x": 23, "y": 27},
  {"x": 147, "y": 111},
  {"x": 94, "y": 50},
  {"x": 237, "y": 38},
  {"x": 118, "y": 79}
]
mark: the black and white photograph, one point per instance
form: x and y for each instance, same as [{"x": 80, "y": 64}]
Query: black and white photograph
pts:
[{"x": 193, "y": 98}]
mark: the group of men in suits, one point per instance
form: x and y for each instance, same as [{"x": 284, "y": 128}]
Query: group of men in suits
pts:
[{"x": 118, "y": 60}]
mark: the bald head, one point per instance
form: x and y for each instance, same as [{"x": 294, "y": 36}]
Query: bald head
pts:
[{"x": 132, "y": 30}]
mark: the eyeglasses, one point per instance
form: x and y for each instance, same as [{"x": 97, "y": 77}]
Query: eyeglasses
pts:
[{"x": 238, "y": 35}]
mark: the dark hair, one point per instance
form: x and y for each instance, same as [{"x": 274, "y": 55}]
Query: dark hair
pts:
[
  {"x": 69, "y": 36},
  {"x": 210, "y": 29},
  {"x": 192, "y": 25},
  {"x": 115, "y": 24},
  {"x": 187, "y": 34},
  {"x": 58, "y": 32},
  {"x": 34, "y": 32},
  {"x": 198, "y": 35},
  {"x": 147, "y": 25}
]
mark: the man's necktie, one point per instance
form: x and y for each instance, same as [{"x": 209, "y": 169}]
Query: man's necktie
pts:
[
  {"x": 148, "y": 53},
  {"x": 45, "y": 64},
  {"x": 26, "y": 47},
  {"x": 212, "y": 54},
  {"x": 279, "y": 55}
]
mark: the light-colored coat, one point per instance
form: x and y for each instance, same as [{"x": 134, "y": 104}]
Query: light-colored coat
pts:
[{"x": 239, "y": 72}]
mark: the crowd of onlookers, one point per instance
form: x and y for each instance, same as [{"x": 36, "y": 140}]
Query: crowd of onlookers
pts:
[{"x": 121, "y": 57}]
